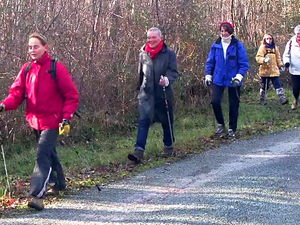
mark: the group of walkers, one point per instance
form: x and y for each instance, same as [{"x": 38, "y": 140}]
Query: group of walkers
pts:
[
  {"x": 227, "y": 65},
  {"x": 52, "y": 98},
  {"x": 268, "y": 57}
]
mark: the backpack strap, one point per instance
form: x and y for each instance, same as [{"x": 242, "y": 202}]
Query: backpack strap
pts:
[
  {"x": 25, "y": 73},
  {"x": 53, "y": 68},
  {"x": 27, "y": 69}
]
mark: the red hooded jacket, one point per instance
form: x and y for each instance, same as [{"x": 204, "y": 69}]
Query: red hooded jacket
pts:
[{"x": 48, "y": 100}]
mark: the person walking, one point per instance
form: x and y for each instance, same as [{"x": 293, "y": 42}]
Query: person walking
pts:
[
  {"x": 50, "y": 105},
  {"x": 270, "y": 64},
  {"x": 157, "y": 74},
  {"x": 226, "y": 66},
  {"x": 291, "y": 60}
]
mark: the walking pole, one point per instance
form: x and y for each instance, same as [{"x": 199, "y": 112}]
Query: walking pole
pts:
[
  {"x": 238, "y": 97},
  {"x": 210, "y": 97},
  {"x": 168, "y": 114},
  {"x": 237, "y": 93},
  {"x": 5, "y": 169},
  {"x": 266, "y": 88}
]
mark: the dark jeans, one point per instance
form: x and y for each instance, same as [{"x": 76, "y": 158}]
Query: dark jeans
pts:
[
  {"x": 296, "y": 85},
  {"x": 144, "y": 125},
  {"x": 234, "y": 102},
  {"x": 266, "y": 81},
  {"x": 47, "y": 167}
]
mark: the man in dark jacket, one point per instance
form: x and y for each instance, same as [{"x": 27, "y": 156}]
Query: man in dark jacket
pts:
[
  {"x": 50, "y": 105},
  {"x": 158, "y": 71}
]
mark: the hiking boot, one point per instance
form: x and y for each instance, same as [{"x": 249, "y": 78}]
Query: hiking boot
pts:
[
  {"x": 262, "y": 99},
  {"x": 168, "y": 152},
  {"x": 231, "y": 133},
  {"x": 295, "y": 104},
  {"x": 284, "y": 100},
  {"x": 220, "y": 130},
  {"x": 36, "y": 203},
  {"x": 137, "y": 156}
]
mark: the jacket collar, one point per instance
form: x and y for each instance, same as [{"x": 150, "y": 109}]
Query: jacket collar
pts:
[
  {"x": 46, "y": 57},
  {"x": 233, "y": 40}
]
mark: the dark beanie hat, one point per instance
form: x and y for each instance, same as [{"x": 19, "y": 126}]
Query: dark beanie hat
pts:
[{"x": 228, "y": 26}]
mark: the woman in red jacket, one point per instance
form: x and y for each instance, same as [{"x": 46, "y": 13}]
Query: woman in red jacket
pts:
[{"x": 50, "y": 103}]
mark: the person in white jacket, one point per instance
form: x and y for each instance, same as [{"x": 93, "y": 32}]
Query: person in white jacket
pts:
[{"x": 291, "y": 60}]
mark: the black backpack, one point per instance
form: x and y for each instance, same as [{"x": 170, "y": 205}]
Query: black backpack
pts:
[{"x": 53, "y": 74}]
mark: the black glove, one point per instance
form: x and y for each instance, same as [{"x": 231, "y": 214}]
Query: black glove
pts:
[
  {"x": 65, "y": 122},
  {"x": 64, "y": 127},
  {"x": 287, "y": 65},
  {"x": 2, "y": 108},
  {"x": 235, "y": 82}
]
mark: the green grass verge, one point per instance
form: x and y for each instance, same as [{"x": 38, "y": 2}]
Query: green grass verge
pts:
[{"x": 104, "y": 159}]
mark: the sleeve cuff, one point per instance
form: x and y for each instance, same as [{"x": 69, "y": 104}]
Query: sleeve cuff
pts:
[
  {"x": 239, "y": 77},
  {"x": 68, "y": 116}
]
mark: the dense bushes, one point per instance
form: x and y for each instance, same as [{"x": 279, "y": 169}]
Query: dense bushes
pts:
[{"x": 99, "y": 41}]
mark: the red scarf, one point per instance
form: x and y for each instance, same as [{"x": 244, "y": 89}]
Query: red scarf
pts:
[{"x": 154, "y": 51}]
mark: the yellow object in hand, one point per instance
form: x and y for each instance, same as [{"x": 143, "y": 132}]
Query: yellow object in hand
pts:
[{"x": 64, "y": 129}]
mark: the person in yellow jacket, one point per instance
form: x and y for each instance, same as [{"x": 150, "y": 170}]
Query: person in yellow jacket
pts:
[{"x": 270, "y": 64}]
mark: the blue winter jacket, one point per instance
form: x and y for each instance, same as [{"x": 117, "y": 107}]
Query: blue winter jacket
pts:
[{"x": 224, "y": 70}]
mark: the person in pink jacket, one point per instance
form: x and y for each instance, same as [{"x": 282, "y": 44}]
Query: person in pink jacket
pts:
[{"x": 50, "y": 103}]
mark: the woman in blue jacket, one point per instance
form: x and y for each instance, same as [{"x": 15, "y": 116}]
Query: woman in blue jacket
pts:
[{"x": 226, "y": 66}]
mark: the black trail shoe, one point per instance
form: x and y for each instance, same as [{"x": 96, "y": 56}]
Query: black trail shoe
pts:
[
  {"x": 283, "y": 100},
  {"x": 231, "y": 133},
  {"x": 36, "y": 203},
  {"x": 221, "y": 130},
  {"x": 168, "y": 152},
  {"x": 137, "y": 156}
]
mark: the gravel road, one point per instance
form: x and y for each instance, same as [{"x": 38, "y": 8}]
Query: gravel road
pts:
[{"x": 253, "y": 181}]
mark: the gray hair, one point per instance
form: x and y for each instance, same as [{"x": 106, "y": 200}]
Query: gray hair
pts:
[
  {"x": 155, "y": 29},
  {"x": 297, "y": 29}
]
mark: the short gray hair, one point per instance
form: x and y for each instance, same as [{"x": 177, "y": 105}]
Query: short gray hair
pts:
[
  {"x": 155, "y": 29},
  {"x": 297, "y": 29}
]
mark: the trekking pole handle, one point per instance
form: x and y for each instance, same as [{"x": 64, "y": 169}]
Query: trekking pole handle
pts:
[{"x": 166, "y": 100}]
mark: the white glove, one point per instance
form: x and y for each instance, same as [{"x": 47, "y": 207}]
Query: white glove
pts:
[
  {"x": 267, "y": 59},
  {"x": 164, "y": 81},
  {"x": 208, "y": 80},
  {"x": 237, "y": 80}
]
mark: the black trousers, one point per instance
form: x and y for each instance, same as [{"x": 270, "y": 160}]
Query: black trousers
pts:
[
  {"x": 47, "y": 168},
  {"x": 296, "y": 85},
  {"x": 234, "y": 103}
]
